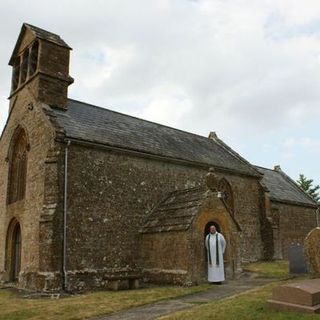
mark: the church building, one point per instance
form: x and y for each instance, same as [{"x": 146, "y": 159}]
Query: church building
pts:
[{"x": 91, "y": 198}]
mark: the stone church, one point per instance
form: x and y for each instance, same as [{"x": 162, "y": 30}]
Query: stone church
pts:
[{"x": 92, "y": 198}]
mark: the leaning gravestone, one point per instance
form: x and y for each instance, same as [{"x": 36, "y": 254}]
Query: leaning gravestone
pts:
[
  {"x": 312, "y": 251},
  {"x": 297, "y": 263}
]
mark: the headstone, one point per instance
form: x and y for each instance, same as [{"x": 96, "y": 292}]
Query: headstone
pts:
[
  {"x": 303, "y": 296},
  {"x": 297, "y": 263},
  {"x": 312, "y": 250}
]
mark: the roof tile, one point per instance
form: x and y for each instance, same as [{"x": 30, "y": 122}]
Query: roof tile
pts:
[
  {"x": 99, "y": 125},
  {"x": 284, "y": 189}
]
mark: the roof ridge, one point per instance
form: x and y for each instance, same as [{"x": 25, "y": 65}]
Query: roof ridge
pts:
[
  {"x": 264, "y": 168},
  {"x": 40, "y": 29},
  {"x": 39, "y": 33},
  {"x": 234, "y": 153},
  {"x": 134, "y": 117}
]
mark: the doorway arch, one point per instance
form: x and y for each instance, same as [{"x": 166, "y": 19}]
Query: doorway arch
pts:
[
  {"x": 13, "y": 250},
  {"x": 213, "y": 212}
]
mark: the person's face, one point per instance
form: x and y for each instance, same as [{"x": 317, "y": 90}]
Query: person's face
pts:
[{"x": 212, "y": 229}]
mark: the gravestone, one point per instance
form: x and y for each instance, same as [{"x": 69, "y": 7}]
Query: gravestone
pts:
[
  {"x": 302, "y": 296},
  {"x": 312, "y": 251},
  {"x": 297, "y": 263}
]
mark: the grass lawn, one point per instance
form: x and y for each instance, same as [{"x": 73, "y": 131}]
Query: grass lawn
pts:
[
  {"x": 250, "y": 305},
  {"x": 13, "y": 307},
  {"x": 272, "y": 269},
  {"x": 247, "y": 306}
]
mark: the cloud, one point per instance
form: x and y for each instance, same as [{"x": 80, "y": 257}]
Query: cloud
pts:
[
  {"x": 303, "y": 142},
  {"x": 161, "y": 108},
  {"x": 246, "y": 69}
]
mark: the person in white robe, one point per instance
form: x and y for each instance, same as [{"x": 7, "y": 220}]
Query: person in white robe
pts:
[{"x": 215, "y": 245}]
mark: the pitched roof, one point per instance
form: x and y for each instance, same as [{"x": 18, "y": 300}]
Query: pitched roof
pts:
[
  {"x": 283, "y": 189},
  {"x": 175, "y": 212},
  {"x": 39, "y": 33},
  {"x": 86, "y": 122}
]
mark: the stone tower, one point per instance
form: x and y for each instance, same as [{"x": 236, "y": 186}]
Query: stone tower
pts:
[
  {"x": 40, "y": 63},
  {"x": 30, "y": 192}
]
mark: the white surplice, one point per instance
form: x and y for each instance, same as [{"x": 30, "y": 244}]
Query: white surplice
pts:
[{"x": 216, "y": 268}]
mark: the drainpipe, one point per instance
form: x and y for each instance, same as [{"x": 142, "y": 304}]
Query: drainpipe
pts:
[
  {"x": 317, "y": 216},
  {"x": 64, "y": 252}
]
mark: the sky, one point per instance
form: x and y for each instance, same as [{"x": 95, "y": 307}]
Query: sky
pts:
[{"x": 248, "y": 70}]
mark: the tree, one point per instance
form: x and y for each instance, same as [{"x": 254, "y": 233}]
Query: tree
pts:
[{"x": 307, "y": 186}]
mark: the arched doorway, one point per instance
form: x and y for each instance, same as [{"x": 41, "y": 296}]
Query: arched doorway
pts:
[
  {"x": 213, "y": 213},
  {"x": 205, "y": 233},
  {"x": 13, "y": 256}
]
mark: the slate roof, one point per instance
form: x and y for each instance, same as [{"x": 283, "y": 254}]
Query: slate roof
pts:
[
  {"x": 283, "y": 189},
  {"x": 39, "y": 33},
  {"x": 176, "y": 212},
  {"x": 86, "y": 122}
]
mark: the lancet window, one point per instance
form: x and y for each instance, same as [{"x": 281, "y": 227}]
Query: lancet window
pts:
[{"x": 18, "y": 158}]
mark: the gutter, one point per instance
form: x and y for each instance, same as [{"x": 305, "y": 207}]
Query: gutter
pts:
[{"x": 65, "y": 198}]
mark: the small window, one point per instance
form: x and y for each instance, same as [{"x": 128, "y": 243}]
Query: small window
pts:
[
  {"x": 33, "y": 60},
  {"x": 16, "y": 74},
  {"x": 18, "y": 159},
  {"x": 24, "y": 66}
]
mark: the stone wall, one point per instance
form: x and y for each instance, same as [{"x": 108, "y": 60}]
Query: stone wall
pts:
[
  {"x": 109, "y": 195},
  {"x": 247, "y": 213},
  {"x": 28, "y": 114},
  {"x": 167, "y": 257},
  {"x": 54, "y": 79},
  {"x": 291, "y": 224}
]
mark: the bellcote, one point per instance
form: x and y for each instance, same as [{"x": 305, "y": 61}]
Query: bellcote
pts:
[{"x": 40, "y": 61}]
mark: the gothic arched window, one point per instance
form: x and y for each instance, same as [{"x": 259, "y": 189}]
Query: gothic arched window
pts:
[
  {"x": 227, "y": 194},
  {"x": 18, "y": 158}
]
